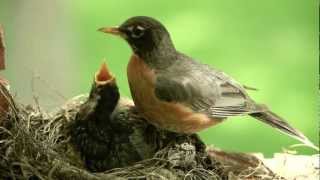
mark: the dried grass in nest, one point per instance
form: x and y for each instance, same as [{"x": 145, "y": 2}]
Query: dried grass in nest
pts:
[{"x": 35, "y": 145}]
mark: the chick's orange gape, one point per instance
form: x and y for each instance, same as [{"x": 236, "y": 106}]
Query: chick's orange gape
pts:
[{"x": 175, "y": 92}]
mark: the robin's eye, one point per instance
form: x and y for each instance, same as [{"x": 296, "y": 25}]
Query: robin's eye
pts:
[{"x": 137, "y": 31}]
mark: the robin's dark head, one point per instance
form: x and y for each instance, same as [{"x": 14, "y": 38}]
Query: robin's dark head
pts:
[{"x": 144, "y": 34}]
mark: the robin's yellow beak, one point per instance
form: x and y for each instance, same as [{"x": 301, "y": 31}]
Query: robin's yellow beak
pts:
[{"x": 112, "y": 30}]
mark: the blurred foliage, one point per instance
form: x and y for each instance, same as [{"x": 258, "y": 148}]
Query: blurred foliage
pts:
[{"x": 271, "y": 45}]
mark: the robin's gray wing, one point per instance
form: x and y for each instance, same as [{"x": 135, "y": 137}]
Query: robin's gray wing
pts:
[{"x": 203, "y": 89}]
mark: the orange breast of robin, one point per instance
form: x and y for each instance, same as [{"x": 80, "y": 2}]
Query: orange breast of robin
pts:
[{"x": 171, "y": 116}]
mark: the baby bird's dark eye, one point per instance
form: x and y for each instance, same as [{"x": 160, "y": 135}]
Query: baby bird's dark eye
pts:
[{"x": 137, "y": 32}]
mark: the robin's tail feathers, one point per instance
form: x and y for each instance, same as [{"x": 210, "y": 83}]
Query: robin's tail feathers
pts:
[{"x": 274, "y": 120}]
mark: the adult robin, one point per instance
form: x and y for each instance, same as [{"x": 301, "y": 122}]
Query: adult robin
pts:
[{"x": 177, "y": 93}]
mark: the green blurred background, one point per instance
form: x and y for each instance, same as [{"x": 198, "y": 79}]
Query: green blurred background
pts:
[{"x": 54, "y": 50}]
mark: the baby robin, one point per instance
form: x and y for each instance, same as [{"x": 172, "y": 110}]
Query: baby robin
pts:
[{"x": 177, "y": 93}]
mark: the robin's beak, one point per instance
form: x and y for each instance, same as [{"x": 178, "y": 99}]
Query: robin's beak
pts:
[{"x": 112, "y": 30}]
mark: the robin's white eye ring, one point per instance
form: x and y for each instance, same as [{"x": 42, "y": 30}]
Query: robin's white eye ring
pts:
[{"x": 137, "y": 31}]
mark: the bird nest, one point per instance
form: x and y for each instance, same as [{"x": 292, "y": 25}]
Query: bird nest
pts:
[{"x": 36, "y": 145}]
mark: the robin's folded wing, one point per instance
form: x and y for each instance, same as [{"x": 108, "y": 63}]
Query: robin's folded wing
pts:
[{"x": 214, "y": 93}]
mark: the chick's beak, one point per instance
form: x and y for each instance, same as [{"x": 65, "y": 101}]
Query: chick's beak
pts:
[
  {"x": 112, "y": 30},
  {"x": 104, "y": 76}
]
